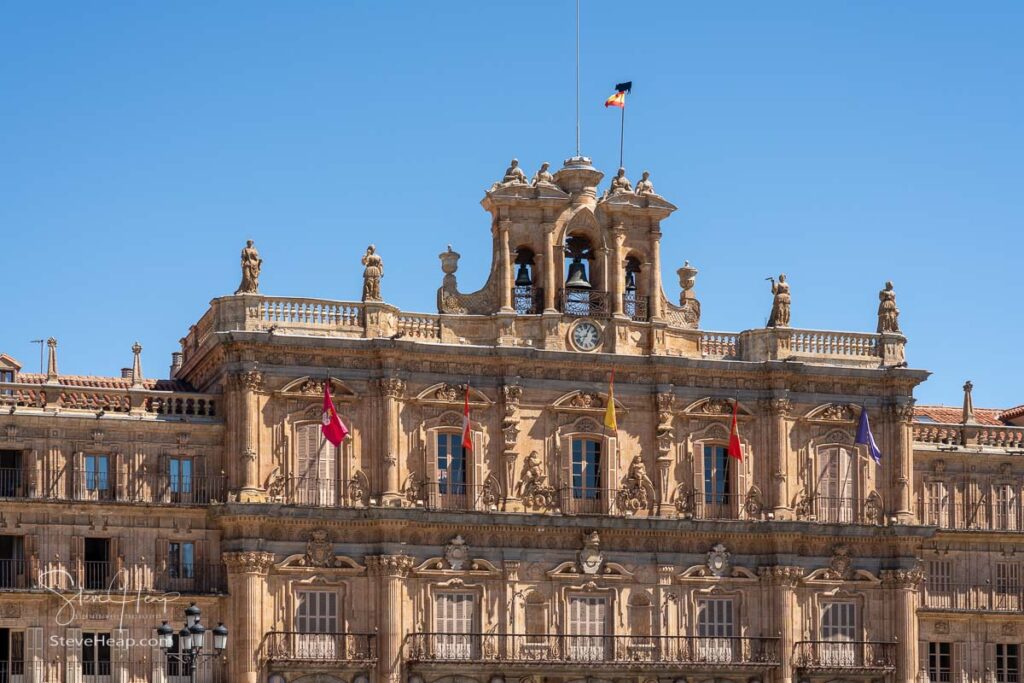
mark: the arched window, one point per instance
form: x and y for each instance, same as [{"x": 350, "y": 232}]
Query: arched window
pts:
[
  {"x": 836, "y": 490},
  {"x": 527, "y": 297},
  {"x": 315, "y": 481},
  {"x": 579, "y": 296},
  {"x": 586, "y": 475},
  {"x": 633, "y": 304}
]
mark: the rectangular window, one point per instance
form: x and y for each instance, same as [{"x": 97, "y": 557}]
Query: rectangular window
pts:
[
  {"x": 451, "y": 465},
  {"x": 715, "y": 630},
  {"x": 588, "y": 623},
  {"x": 717, "y": 488},
  {"x": 316, "y": 460},
  {"x": 97, "y": 563},
  {"x": 6, "y": 376},
  {"x": 97, "y": 476},
  {"x": 95, "y": 657},
  {"x": 1005, "y": 512},
  {"x": 180, "y": 473},
  {"x": 586, "y": 469},
  {"x": 937, "y": 512},
  {"x": 316, "y": 620},
  {"x": 940, "y": 663},
  {"x": 939, "y": 587},
  {"x": 12, "y": 562},
  {"x": 1008, "y": 588},
  {"x": 454, "y": 615},
  {"x": 1007, "y": 663},
  {"x": 181, "y": 557},
  {"x": 12, "y": 655},
  {"x": 11, "y": 479},
  {"x": 835, "y": 498},
  {"x": 839, "y": 631}
]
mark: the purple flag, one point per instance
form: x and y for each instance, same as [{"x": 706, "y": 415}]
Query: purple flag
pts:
[{"x": 865, "y": 437}]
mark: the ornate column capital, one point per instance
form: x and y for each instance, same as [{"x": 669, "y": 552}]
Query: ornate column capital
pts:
[
  {"x": 248, "y": 562},
  {"x": 389, "y": 565},
  {"x": 909, "y": 579},
  {"x": 391, "y": 387},
  {"x": 781, "y": 575},
  {"x": 246, "y": 379},
  {"x": 777, "y": 407},
  {"x": 902, "y": 413}
]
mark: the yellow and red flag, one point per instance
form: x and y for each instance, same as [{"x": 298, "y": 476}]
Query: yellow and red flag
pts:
[{"x": 619, "y": 98}]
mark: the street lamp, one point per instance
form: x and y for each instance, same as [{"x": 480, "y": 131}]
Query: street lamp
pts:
[{"x": 191, "y": 639}]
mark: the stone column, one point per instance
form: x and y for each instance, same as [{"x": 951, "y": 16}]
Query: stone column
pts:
[
  {"x": 654, "y": 282},
  {"x": 391, "y": 390},
  {"x": 900, "y": 429},
  {"x": 247, "y": 585},
  {"x": 782, "y": 581},
  {"x": 551, "y": 262},
  {"x": 244, "y": 386},
  {"x": 617, "y": 289},
  {"x": 902, "y": 584},
  {"x": 511, "y": 394},
  {"x": 665, "y": 438},
  {"x": 390, "y": 572},
  {"x": 778, "y": 456},
  {"x": 506, "y": 266}
]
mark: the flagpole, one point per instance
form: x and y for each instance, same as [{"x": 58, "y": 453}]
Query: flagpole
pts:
[
  {"x": 622, "y": 131},
  {"x": 577, "y": 79}
]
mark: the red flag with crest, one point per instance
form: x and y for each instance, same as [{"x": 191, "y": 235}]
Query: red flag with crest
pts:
[{"x": 330, "y": 424}]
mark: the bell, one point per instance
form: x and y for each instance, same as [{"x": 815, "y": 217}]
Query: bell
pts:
[
  {"x": 577, "y": 276},
  {"x": 523, "y": 276},
  {"x": 630, "y": 281}
]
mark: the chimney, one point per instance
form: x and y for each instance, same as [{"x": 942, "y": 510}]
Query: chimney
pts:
[
  {"x": 126, "y": 373},
  {"x": 175, "y": 363}
]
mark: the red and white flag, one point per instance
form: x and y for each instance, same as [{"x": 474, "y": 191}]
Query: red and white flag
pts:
[
  {"x": 467, "y": 442},
  {"x": 330, "y": 424}
]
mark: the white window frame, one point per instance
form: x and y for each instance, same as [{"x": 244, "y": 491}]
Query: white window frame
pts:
[
  {"x": 455, "y": 624},
  {"x": 716, "y": 626},
  {"x": 837, "y": 484},
  {"x": 316, "y": 467},
  {"x": 317, "y": 623},
  {"x": 839, "y": 628},
  {"x": 587, "y": 621}
]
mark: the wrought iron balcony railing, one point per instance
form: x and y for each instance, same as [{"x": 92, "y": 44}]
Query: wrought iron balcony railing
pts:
[
  {"x": 646, "y": 651},
  {"x": 106, "y": 487},
  {"x": 982, "y": 516},
  {"x": 847, "y": 656},
  {"x": 973, "y": 598},
  {"x": 327, "y": 648},
  {"x": 585, "y": 303},
  {"x": 528, "y": 300},
  {"x": 14, "y": 575}
]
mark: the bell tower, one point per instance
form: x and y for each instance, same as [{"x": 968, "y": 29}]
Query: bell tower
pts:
[{"x": 565, "y": 252}]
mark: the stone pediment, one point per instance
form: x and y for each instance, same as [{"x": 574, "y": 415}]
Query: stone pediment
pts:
[
  {"x": 608, "y": 570},
  {"x": 715, "y": 407},
  {"x": 585, "y": 402},
  {"x": 447, "y": 394},
  {"x": 702, "y": 571},
  {"x": 313, "y": 388},
  {"x": 440, "y": 566},
  {"x": 340, "y": 565},
  {"x": 831, "y": 575},
  {"x": 834, "y": 412}
]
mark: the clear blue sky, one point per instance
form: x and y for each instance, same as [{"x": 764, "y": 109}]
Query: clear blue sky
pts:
[{"x": 844, "y": 143}]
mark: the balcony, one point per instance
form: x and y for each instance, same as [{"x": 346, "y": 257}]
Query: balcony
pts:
[
  {"x": 846, "y": 657},
  {"x": 14, "y": 575},
  {"x": 194, "y": 578},
  {"x": 528, "y": 300},
  {"x": 839, "y": 510},
  {"x": 281, "y": 649},
  {"x": 95, "y": 402},
  {"x": 974, "y": 598},
  {"x": 984, "y": 516},
  {"x": 139, "y": 487},
  {"x": 319, "y": 492},
  {"x": 579, "y": 652},
  {"x": 581, "y": 303}
]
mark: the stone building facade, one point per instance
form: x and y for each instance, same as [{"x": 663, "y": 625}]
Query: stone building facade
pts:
[{"x": 554, "y": 548}]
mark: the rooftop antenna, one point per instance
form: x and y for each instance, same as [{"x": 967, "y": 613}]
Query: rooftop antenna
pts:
[{"x": 40, "y": 342}]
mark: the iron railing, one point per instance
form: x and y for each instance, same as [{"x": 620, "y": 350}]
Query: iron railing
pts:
[
  {"x": 584, "y": 303},
  {"x": 528, "y": 300},
  {"x": 98, "y": 575},
  {"x": 984, "y": 515},
  {"x": 192, "y": 578},
  {"x": 14, "y": 574},
  {"x": 854, "y": 655},
  {"x": 283, "y": 646},
  {"x": 135, "y": 487},
  {"x": 635, "y": 307},
  {"x": 652, "y": 651},
  {"x": 973, "y": 597},
  {"x": 320, "y": 492}
]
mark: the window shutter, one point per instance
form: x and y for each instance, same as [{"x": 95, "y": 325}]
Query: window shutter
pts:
[
  {"x": 741, "y": 482},
  {"x": 609, "y": 471},
  {"x": 159, "y": 668},
  {"x": 115, "y": 564},
  {"x": 35, "y": 658},
  {"x": 77, "y": 474},
  {"x": 73, "y": 655},
  {"x": 961, "y": 662},
  {"x": 698, "y": 474},
  {"x": 78, "y": 559}
]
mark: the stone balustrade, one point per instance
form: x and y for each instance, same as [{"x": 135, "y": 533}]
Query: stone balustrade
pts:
[
  {"x": 318, "y": 317},
  {"x": 68, "y": 398},
  {"x": 953, "y": 434}
]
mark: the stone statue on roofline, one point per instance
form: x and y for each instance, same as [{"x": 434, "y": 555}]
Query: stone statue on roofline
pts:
[
  {"x": 514, "y": 175},
  {"x": 888, "y": 314},
  {"x": 780, "y": 305},
  {"x": 620, "y": 183},
  {"x": 645, "y": 186},
  {"x": 372, "y": 274},
  {"x": 543, "y": 176},
  {"x": 251, "y": 266}
]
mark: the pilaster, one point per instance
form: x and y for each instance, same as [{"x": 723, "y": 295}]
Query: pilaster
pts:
[
  {"x": 782, "y": 581},
  {"x": 904, "y": 584},
  {"x": 247, "y": 585},
  {"x": 391, "y": 391},
  {"x": 245, "y": 387},
  {"x": 390, "y": 572}
]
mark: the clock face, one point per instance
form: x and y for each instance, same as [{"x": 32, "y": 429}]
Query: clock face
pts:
[{"x": 586, "y": 336}]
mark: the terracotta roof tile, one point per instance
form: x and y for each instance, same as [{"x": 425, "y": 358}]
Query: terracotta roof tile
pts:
[
  {"x": 98, "y": 382},
  {"x": 1011, "y": 413},
  {"x": 951, "y": 415}
]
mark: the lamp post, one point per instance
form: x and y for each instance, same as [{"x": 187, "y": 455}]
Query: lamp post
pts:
[{"x": 191, "y": 639}]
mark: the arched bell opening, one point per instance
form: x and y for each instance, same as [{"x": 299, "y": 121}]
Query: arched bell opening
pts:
[
  {"x": 580, "y": 296},
  {"x": 634, "y": 291},
  {"x": 527, "y": 295}
]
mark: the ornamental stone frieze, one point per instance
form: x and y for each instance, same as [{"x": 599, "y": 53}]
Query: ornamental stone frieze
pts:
[
  {"x": 902, "y": 413},
  {"x": 248, "y": 562},
  {"x": 903, "y": 578},
  {"x": 397, "y": 566}
]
